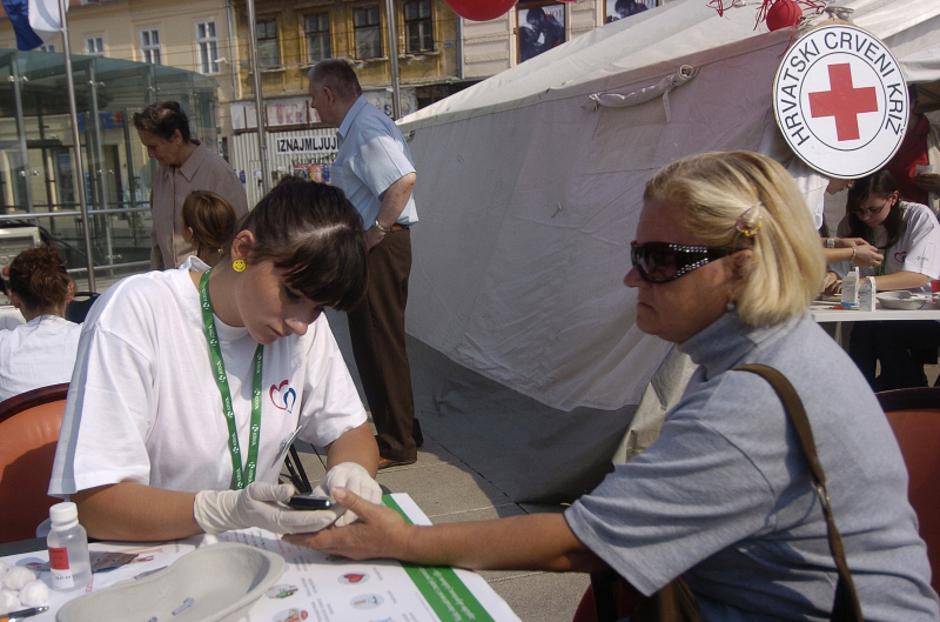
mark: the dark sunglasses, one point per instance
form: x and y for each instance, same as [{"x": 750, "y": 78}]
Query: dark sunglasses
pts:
[{"x": 660, "y": 262}]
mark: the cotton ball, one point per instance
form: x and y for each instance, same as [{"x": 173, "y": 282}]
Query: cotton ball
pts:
[
  {"x": 17, "y": 577},
  {"x": 34, "y": 594},
  {"x": 9, "y": 601},
  {"x": 4, "y": 567}
]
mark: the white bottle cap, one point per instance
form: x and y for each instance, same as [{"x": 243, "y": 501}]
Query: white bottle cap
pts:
[{"x": 64, "y": 514}]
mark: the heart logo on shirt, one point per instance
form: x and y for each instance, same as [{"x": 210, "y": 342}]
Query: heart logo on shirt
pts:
[
  {"x": 900, "y": 256},
  {"x": 283, "y": 399}
]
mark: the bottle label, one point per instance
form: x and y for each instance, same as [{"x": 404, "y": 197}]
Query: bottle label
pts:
[{"x": 60, "y": 569}]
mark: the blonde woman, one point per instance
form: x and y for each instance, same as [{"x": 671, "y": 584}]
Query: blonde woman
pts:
[{"x": 725, "y": 262}]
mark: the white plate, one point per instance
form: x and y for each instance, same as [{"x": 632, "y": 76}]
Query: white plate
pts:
[{"x": 902, "y": 299}]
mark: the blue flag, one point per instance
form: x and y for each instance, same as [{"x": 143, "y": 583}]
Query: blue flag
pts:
[{"x": 18, "y": 14}]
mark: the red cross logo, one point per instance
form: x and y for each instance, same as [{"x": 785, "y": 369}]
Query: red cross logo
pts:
[{"x": 844, "y": 102}]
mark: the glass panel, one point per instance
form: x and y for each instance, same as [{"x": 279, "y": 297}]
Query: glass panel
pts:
[
  {"x": 418, "y": 26},
  {"x": 214, "y": 55},
  {"x": 117, "y": 171},
  {"x": 269, "y": 54},
  {"x": 368, "y": 33}
]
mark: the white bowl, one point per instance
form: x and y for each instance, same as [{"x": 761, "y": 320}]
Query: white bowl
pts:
[{"x": 902, "y": 299}]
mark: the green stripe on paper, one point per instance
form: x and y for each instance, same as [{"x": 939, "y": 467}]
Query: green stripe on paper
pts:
[{"x": 440, "y": 586}]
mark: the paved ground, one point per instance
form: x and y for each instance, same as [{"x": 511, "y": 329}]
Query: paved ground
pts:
[{"x": 447, "y": 489}]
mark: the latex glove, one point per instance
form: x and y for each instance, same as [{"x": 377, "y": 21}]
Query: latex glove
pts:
[
  {"x": 353, "y": 477},
  {"x": 256, "y": 506}
]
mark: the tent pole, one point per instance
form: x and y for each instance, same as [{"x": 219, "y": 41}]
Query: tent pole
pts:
[
  {"x": 393, "y": 57},
  {"x": 260, "y": 115},
  {"x": 76, "y": 139}
]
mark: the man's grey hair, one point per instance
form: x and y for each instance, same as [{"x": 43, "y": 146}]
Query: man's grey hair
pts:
[{"x": 338, "y": 75}]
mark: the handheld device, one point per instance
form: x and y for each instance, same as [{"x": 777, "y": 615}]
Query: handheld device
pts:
[{"x": 310, "y": 502}]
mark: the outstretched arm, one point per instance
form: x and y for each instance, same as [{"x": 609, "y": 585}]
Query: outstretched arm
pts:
[
  {"x": 901, "y": 280},
  {"x": 535, "y": 541}
]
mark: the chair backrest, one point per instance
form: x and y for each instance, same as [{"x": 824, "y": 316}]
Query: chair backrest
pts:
[
  {"x": 29, "y": 429},
  {"x": 914, "y": 415},
  {"x": 79, "y": 306}
]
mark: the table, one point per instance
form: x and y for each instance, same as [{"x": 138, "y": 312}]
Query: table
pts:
[
  {"x": 314, "y": 587},
  {"x": 824, "y": 312}
]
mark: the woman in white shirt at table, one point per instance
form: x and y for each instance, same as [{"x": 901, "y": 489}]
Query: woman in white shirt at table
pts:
[
  {"x": 182, "y": 372},
  {"x": 909, "y": 236},
  {"x": 40, "y": 352}
]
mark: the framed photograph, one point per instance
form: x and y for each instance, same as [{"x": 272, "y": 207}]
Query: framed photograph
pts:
[
  {"x": 619, "y": 9},
  {"x": 541, "y": 27}
]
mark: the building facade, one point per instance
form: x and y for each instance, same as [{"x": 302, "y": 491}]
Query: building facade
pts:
[{"x": 438, "y": 54}]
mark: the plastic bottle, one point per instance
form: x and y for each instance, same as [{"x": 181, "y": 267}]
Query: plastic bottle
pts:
[
  {"x": 68, "y": 548},
  {"x": 867, "y": 298},
  {"x": 850, "y": 289}
]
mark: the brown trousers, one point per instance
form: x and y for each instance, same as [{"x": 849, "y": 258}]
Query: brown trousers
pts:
[{"x": 377, "y": 332}]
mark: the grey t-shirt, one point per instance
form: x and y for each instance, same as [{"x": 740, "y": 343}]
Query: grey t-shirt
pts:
[{"x": 724, "y": 497}]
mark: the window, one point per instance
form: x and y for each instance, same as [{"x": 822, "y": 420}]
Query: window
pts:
[
  {"x": 150, "y": 46},
  {"x": 94, "y": 45},
  {"x": 368, "y": 29},
  {"x": 208, "y": 47},
  {"x": 419, "y": 29},
  {"x": 269, "y": 53},
  {"x": 47, "y": 47},
  {"x": 317, "y": 33}
]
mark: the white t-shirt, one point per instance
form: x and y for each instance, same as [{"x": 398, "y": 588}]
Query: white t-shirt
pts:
[
  {"x": 144, "y": 405},
  {"x": 37, "y": 354},
  {"x": 917, "y": 248},
  {"x": 10, "y": 317}
]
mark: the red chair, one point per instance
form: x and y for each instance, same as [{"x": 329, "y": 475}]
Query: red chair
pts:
[
  {"x": 914, "y": 415},
  {"x": 29, "y": 429}
]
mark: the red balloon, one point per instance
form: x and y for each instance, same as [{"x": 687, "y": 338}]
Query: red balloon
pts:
[
  {"x": 783, "y": 14},
  {"x": 480, "y": 10}
]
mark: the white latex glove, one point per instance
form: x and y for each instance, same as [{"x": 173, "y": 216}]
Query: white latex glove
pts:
[
  {"x": 256, "y": 506},
  {"x": 353, "y": 477}
]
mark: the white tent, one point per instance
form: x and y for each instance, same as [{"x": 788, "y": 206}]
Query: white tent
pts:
[{"x": 528, "y": 195}]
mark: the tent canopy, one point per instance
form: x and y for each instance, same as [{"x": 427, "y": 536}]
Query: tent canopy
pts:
[{"x": 529, "y": 194}]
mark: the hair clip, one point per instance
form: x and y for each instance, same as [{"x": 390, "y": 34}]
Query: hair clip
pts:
[{"x": 748, "y": 223}]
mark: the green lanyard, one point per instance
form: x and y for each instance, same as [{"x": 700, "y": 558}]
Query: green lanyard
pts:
[{"x": 240, "y": 477}]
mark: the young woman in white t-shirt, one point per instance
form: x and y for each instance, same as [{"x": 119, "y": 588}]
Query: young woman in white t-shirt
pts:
[
  {"x": 149, "y": 450},
  {"x": 40, "y": 352},
  {"x": 908, "y": 234}
]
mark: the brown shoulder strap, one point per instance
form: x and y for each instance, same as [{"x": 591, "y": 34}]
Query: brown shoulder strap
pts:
[{"x": 846, "y": 607}]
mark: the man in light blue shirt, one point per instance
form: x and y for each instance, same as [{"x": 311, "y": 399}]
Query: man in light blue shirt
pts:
[{"x": 375, "y": 169}]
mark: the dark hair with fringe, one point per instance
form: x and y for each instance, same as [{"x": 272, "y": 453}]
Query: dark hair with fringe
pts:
[
  {"x": 163, "y": 120},
  {"x": 39, "y": 278},
  {"x": 311, "y": 231},
  {"x": 882, "y": 185}
]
